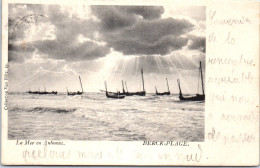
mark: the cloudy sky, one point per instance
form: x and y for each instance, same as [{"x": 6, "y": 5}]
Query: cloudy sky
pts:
[{"x": 51, "y": 45}]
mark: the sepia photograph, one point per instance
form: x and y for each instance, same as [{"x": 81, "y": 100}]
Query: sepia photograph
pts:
[{"x": 106, "y": 72}]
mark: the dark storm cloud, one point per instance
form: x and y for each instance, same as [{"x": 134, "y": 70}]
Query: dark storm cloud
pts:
[
  {"x": 83, "y": 51},
  {"x": 116, "y": 17},
  {"x": 14, "y": 56},
  {"x": 151, "y": 31},
  {"x": 14, "y": 52},
  {"x": 198, "y": 43},
  {"x": 112, "y": 18},
  {"x": 67, "y": 29},
  {"x": 160, "y": 47},
  {"x": 22, "y": 47},
  {"x": 147, "y": 12},
  {"x": 66, "y": 45},
  {"x": 131, "y": 30},
  {"x": 126, "y": 32}
]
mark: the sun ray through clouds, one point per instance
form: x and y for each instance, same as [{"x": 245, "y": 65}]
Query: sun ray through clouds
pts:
[{"x": 179, "y": 71}]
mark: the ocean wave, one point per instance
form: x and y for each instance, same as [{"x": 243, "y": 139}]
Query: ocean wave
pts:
[
  {"x": 15, "y": 109},
  {"x": 50, "y": 109}
]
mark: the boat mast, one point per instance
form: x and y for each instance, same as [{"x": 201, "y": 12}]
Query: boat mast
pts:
[
  {"x": 123, "y": 86},
  {"x": 126, "y": 87},
  {"x": 167, "y": 85},
  {"x": 179, "y": 87},
  {"x": 105, "y": 86},
  {"x": 80, "y": 84},
  {"x": 142, "y": 78},
  {"x": 201, "y": 79},
  {"x": 67, "y": 90},
  {"x": 156, "y": 89}
]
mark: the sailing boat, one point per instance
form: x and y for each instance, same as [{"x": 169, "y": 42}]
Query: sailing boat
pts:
[
  {"x": 45, "y": 92},
  {"x": 125, "y": 92},
  {"x": 41, "y": 92},
  {"x": 140, "y": 93},
  {"x": 52, "y": 92},
  {"x": 113, "y": 94},
  {"x": 76, "y": 93},
  {"x": 30, "y": 92},
  {"x": 163, "y": 93},
  {"x": 33, "y": 92},
  {"x": 198, "y": 97}
]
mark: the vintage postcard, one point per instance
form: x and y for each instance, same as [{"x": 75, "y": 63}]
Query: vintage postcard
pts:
[{"x": 93, "y": 82}]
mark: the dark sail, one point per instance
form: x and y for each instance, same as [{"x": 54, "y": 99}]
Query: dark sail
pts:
[
  {"x": 140, "y": 93},
  {"x": 113, "y": 94},
  {"x": 163, "y": 93},
  {"x": 75, "y": 93},
  {"x": 197, "y": 97}
]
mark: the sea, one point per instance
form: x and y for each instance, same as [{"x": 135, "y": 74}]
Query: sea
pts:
[{"x": 94, "y": 117}]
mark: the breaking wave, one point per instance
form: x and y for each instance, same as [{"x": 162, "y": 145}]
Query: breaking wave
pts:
[{"x": 50, "y": 109}]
